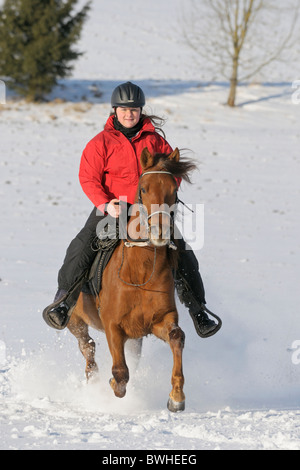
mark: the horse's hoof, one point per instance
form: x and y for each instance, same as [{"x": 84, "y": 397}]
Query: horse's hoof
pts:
[
  {"x": 91, "y": 372},
  {"x": 175, "y": 406},
  {"x": 118, "y": 388}
]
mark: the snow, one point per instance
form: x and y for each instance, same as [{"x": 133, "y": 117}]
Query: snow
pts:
[{"x": 242, "y": 385}]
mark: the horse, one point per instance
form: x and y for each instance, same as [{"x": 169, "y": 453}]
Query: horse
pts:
[{"x": 137, "y": 294}]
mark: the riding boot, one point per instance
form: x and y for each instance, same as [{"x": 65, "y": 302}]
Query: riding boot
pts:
[
  {"x": 190, "y": 289},
  {"x": 58, "y": 313},
  {"x": 198, "y": 311}
]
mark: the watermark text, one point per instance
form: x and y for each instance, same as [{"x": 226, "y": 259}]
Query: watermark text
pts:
[
  {"x": 2, "y": 92},
  {"x": 296, "y": 352},
  {"x": 2, "y": 353},
  {"x": 296, "y": 94},
  {"x": 158, "y": 222}
]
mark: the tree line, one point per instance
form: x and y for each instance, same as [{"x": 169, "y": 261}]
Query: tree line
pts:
[{"x": 233, "y": 38}]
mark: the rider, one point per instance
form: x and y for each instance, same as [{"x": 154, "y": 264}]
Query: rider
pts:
[{"x": 110, "y": 169}]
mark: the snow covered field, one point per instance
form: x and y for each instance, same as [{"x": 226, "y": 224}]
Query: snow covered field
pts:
[{"x": 242, "y": 385}]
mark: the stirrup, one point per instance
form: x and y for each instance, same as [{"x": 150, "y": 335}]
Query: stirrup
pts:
[
  {"x": 47, "y": 314},
  {"x": 214, "y": 330}
]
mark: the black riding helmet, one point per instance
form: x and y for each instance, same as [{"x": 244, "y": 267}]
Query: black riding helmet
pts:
[{"x": 128, "y": 94}]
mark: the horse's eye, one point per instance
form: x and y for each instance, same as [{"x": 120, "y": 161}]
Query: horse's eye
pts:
[{"x": 143, "y": 190}]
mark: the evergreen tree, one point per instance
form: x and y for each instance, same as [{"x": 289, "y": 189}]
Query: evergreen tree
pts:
[{"x": 36, "y": 43}]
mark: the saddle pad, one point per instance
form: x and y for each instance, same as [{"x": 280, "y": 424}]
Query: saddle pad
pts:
[{"x": 94, "y": 283}]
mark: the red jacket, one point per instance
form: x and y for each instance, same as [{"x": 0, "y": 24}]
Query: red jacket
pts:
[{"x": 110, "y": 163}]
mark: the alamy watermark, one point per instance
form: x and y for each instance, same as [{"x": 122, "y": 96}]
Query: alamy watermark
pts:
[
  {"x": 296, "y": 94},
  {"x": 296, "y": 352},
  {"x": 2, "y": 92},
  {"x": 159, "y": 222},
  {"x": 2, "y": 353}
]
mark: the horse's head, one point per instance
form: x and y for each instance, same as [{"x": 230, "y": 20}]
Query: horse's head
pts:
[
  {"x": 152, "y": 215},
  {"x": 157, "y": 196}
]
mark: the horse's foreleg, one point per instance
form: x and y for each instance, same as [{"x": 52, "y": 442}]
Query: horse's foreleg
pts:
[
  {"x": 116, "y": 341},
  {"x": 177, "y": 398},
  {"x": 86, "y": 344},
  {"x": 173, "y": 334}
]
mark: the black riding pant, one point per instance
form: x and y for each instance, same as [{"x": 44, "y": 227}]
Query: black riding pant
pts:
[{"x": 80, "y": 256}]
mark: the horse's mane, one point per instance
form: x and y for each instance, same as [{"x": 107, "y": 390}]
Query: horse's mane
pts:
[{"x": 180, "y": 169}]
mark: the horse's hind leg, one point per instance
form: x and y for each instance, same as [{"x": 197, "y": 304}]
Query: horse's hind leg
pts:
[
  {"x": 86, "y": 344},
  {"x": 173, "y": 334}
]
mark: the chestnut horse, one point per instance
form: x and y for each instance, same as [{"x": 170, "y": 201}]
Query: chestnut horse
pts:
[{"x": 137, "y": 294}]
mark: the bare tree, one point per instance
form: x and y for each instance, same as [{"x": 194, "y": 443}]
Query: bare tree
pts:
[{"x": 238, "y": 38}]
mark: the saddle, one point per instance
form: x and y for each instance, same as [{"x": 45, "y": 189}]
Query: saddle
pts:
[{"x": 104, "y": 244}]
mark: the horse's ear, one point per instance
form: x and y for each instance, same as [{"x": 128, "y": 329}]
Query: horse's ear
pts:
[
  {"x": 175, "y": 155},
  {"x": 146, "y": 159}
]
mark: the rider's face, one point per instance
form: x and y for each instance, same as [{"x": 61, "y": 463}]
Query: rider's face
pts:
[{"x": 128, "y": 117}]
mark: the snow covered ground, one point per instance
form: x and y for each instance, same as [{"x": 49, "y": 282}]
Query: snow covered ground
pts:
[{"x": 242, "y": 385}]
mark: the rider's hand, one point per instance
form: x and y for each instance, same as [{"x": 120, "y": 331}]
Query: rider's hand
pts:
[{"x": 113, "y": 208}]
